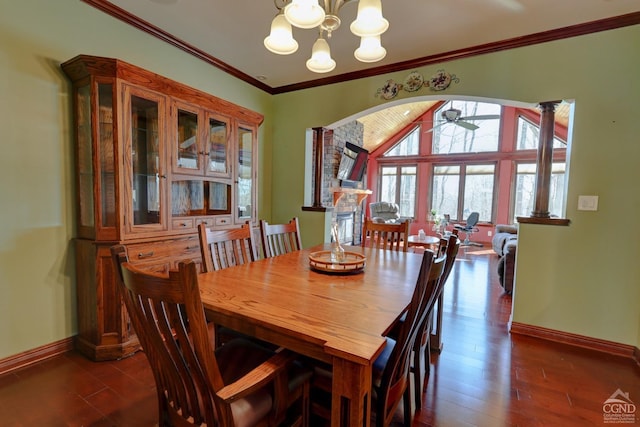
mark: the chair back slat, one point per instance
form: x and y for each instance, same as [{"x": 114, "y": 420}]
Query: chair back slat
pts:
[
  {"x": 452, "y": 248},
  {"x": 385, "y": 236},
  {"x": 226, "y": 248},
  {"x": 279, "y": 239}
]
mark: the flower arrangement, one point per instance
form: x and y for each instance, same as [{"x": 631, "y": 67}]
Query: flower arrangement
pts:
[{"x": 439, "y": 222}]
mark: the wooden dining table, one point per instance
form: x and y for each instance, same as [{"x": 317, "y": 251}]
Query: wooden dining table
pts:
[{"x": 336, "y": 318}]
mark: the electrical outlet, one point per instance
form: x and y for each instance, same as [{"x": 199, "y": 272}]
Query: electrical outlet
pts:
[{"x": 489, "y": 233}]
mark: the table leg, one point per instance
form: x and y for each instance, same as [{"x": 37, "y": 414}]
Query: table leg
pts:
[{"x": 351, "y": 394}]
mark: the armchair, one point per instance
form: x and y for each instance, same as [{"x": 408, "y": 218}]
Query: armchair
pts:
[{"x": 386, "y": 212}]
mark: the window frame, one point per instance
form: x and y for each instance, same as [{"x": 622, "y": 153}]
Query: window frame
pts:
[
  {"x": 398, "y": 190},
  {"x": 513, "y": 198},
  {"x": 562, "y": 144},
  {"x": 439, "y": 125},
  {"x": 404, "y": 139},
  {"x": 462, "y": 165}
]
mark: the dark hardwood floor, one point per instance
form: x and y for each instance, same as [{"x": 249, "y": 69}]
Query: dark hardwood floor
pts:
[{"x": 483, "y": 377}]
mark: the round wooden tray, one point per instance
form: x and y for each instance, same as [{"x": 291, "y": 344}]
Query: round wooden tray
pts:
[{"x": 353, "y": 262}]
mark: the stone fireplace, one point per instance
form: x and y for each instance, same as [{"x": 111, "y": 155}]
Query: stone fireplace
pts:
[
  {"x": 342, "y": 202},
  {"x": 347, "y": 200}
]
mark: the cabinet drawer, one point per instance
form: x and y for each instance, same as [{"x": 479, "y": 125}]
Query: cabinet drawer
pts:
[
  {"x": 222, "y": 220},
  {"x": 164, "y": 251},
  {"x": 208, "y": 221},
  {"x": 182, "y": 224}
]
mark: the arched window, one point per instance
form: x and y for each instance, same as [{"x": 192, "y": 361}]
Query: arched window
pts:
[{"x": 466, "y": 127}]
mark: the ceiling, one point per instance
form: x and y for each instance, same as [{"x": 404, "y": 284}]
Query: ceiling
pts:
[
  {"x": 229, "y": 35},
  {"x": 232, "y": 31},
  {"x": 381, "y": 125}
]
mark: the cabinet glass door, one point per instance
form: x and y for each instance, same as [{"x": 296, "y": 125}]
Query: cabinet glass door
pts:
[
  {"x": 187, "y": 153},
  {"x": 84, "y": 158},
  {"x": 106, "y": 155},
  {"x": 218, "y": 146},
  {"x": 244, "y": 187},
  {"x": 147, "y": 179}
]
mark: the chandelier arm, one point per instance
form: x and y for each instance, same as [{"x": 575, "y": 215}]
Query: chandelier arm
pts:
[
  {"x": 333, "y": 7},
  {"x": 280, "y": 4}
]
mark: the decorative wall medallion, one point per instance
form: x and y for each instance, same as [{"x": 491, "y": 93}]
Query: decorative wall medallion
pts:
[
  {"x": 389, "y": 90},
  {"x": 441, "y": 80},
  {"x": 413, "y": 82}
]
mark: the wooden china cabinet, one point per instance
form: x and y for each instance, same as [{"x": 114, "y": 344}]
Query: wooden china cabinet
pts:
[{"x": 154, "y": 158}]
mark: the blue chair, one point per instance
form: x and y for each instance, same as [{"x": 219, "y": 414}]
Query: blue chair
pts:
[{"x": 469, "y": 228}]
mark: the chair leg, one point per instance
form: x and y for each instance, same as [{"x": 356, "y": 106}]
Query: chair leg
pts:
[
  {"x": 427, "y": 362},
  {"x": 467, "y": 242},
  {"x": 417, "y": 376},
  {"x": 407, "y": 416},
  {"x": 306, "y": 404}
]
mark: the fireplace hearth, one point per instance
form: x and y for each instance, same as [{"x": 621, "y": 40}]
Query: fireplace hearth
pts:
[{"x": 346, "y": 222}]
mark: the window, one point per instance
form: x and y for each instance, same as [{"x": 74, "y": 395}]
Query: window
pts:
[
  {"x": 445, "y": 190},
  {"x": 398, "y": 185},
  {"x": 525, "y": 189},
  {"x": 408, "y": 146},
  {"x": 529, "y": 135},
  {"x": 449, "y": 137},
  {"x": 460, "y": 189}
]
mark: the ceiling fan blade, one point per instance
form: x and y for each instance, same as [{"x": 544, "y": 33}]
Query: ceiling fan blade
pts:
[
  {"x": 435, "y": 127},
  {"x": 481, "y": 117},
  {"x": 510, "y": 4},
  {"x": 466, "y": 125}
]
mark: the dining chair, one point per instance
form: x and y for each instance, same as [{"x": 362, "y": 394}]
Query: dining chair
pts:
[
  {"x": 238, "y": 384},
  {"x": 391, "y": 369},
  {"x": 452, "y": 249},
  {"x": 421, "y": 368},
  {"x": 279, "y": 239},
  {"x": 223, "y": 249},
  {"x": 385, "y": 236},
  {"x": 422, "y": 350},
  {"x": 226, "y": 248}
]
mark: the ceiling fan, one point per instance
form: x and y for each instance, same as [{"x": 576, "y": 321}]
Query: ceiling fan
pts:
[{"x": 453, "y": 115}]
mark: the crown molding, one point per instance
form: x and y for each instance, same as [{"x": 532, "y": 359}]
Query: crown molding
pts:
[{"x": 516, "y": 42}]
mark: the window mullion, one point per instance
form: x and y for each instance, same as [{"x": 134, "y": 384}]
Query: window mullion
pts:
[
  {"x": 398, "y": 184},
  {"x": 461, "y": 187}
]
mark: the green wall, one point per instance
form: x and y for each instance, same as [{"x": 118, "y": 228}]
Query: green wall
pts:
[
  {"x": 37, "y": 267},
  {"x": 580, "y": 279}
]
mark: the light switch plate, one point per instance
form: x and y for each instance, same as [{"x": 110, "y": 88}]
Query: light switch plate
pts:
[{"x": 587, "y": 203}]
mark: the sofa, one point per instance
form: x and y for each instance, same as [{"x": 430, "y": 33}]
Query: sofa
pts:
[{"x": 505, "y": 244}]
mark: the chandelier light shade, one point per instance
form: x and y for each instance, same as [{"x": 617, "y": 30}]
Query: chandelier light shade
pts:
[
  {"x": 304, "y": 13},
  {"x": 368, "y": 25},
  {"x": 281, "y": 40},
  {"x": 370, "y": 50},
  {"x": 321, "y": 61},
  {"x": 369, "y": 21}
]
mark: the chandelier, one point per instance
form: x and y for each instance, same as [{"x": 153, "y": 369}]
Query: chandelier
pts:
[{"x": 368, "y": 25}]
